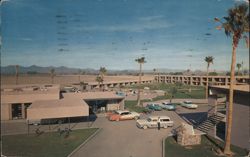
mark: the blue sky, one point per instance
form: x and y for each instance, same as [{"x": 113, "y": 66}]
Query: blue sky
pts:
[{"x": 174, "y": 34}]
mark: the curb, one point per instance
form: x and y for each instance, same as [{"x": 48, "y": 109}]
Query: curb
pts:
[
  {"x": 163, "y": 144},
  {"x": 85, "y": 142},
  {"x": 163, "y": 147}
]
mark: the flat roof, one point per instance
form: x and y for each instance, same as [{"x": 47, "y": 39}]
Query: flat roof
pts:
[
  {"x": 93, "y": 95},
  {"x": 58, "y": 103},
  {"x": 57, "y": 109},
  {"x": 242, "y": 88},
  {"x": 29, "y": 89}
]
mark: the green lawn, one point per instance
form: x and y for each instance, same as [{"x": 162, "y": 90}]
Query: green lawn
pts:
[
  {"x": 197, "y": 92},
  {"x": 131, "y": 105},
  {"x": 46, "y": 145},
  {"x": 172, "y": 149}
]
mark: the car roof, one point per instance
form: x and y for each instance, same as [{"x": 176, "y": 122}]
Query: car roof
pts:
[
  {"x": 156, "y": 117},
  {"x": 187, "y": 101},
  {"x": 121, "y": 111}
]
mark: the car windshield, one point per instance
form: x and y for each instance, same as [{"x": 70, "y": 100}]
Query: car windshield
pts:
[{"x": 188, "y": 102}]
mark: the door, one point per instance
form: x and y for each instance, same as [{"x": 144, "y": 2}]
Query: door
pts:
[
  {"x": 126, "y": 115},
  {"x": 153, "y": 123},
  {"x": 165, "y": 122},
  {"x": 16, "y": 111}
]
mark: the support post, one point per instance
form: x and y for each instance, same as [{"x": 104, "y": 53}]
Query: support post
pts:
[
  {"x": 28, "y": 127},
  {"x": 69, "y": 122}
]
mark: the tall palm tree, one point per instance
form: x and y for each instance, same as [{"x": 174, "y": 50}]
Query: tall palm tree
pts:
[
  {"x": 154, "y": 73},
  {"x": 235, "y": 25},
  {"x": 83, "y": 85},
  {"x": 79, "y": 75},
  {"x": 99, "y": 80},
  {"x": 52, "y": 75},
  {"x": 209, "y": 60},
  {"x": 17, "y": 73},
  {"x": 154, "y": 70},
  {"x": 102, "y": 72},
  {"x": 140, "y": 61},
  {"x": 173, "y": 91},
  {"x": 238, "y": 67}
]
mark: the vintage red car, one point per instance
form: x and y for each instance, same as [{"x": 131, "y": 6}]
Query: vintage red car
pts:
[{"x": 123, "y": 115}]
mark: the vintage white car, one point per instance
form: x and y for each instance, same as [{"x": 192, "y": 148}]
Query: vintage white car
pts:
[
  {"x": 189, "y": 104},
  {"x": 152, "y": 122},
  {"x": 123, "y": 115}
]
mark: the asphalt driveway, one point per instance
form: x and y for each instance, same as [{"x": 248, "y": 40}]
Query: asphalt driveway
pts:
[{"x": 124, "y": 139}]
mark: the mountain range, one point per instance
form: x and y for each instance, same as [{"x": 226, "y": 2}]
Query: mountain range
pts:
[{"x": 34, "y": 69}]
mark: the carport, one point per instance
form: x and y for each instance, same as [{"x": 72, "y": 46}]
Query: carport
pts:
[{"x": 53, "y": 109}]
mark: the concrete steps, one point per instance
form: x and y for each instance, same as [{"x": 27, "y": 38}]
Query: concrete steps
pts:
[{"x": 209, "y": 123}]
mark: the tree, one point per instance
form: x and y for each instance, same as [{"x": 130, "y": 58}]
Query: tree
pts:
[
  {"x": 140, "y": 61},
  {"x": 154, "y": 70},
  {"x": 102, "y": 72},
  {"x": 83, "y": 85},
  {"x": 238, "y": 67},
  {"x": 99, "y": 80},
  {"x": 79, "y": 75},
  {"x": 17, "y": 73},
  {"x": 173, "y": 91},
  {"x": 235, "y": 25},
  {"x": 213, "y": 73},
  {"x": 209, "y": 60},
  {"x": 52, "y": 75}
]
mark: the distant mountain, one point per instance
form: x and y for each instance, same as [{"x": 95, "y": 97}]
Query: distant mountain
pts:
[{"x": 34, "y": 69}]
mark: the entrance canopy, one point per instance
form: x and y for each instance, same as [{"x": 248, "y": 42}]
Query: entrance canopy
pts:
[{"x": 62, "y": 108}]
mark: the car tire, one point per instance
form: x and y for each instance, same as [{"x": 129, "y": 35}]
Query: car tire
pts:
[
  {"x": 136, "y": 117},
  {"x": 145, "y": 127}
]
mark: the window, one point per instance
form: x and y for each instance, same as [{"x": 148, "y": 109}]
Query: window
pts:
[
  {"x": 125, "y": 113},
  {"x": 164, "y": 120}
]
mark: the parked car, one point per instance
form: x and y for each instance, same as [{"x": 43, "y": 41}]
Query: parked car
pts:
[
  {"x": 189, "y": 104},
  {"x": 166, "y": 102},
  {"x": 152, "y": 122},
  {"x": 155, "y": 107},
  {"x": 123, "y": 115},
  {"x": 169, "y": 106}
]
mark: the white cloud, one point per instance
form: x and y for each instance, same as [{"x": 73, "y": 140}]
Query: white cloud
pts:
[
  {"x": 151, "y": 18},
  {"x": 143, "y": 23},
  {"x": 247, "y": 1},
  {"x": 4, "y": 1}
]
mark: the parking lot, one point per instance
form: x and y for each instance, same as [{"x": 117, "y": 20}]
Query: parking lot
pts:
[{"x": 124, "y": 139}]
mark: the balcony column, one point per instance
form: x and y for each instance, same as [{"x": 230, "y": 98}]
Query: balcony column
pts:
[{"x": 23, "y": 111}]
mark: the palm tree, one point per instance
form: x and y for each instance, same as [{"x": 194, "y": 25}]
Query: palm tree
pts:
[
  {"x": 17, "y": 73},
  {"x": 83, "y": 85},
  {"x": 173, "y": 91},
  {"x": 154, "y": 70},
  {"x": 154, "y": 73},
  {"x": 52, "y": 75},
  {"x": 238, "y": 67},
  {"x": 235, "y": 25},
  {"x": 102, "y": 72},
  {"x": 79, "y": 75},
  {"x": 140, "y": 61},
  {"x": 209, "y": 60},
  {"x": 99, "y": 80}
]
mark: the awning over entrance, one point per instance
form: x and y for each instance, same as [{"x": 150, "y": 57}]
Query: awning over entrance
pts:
[{"x": 62, "y": 108}]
